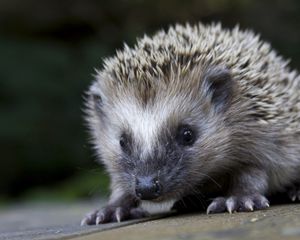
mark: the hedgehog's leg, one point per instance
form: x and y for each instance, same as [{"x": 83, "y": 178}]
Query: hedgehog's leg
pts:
[
  {"x": 246, "y": 193},
  {"x": 120, "y": 207}
]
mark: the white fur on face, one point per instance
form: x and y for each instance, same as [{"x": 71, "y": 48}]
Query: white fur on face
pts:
[
  {"x": 145, "y": 129},
  {"x": 145, "y": 123}
]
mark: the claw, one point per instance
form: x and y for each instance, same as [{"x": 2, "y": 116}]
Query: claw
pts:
[
  {"x": 84, "y": 222},
  {"x": 231, "y": 204},
  {"x": 99, "y": 219},
  {"x": 119, "y": 214},
  {"x": 113, "y": 214},
  {"x": 292, "y": 196},
  {"x": 88, "y": 219},
  {"x": 238, "y": 203},
  {"x": 210, "y": 208},
  {"x": 294, "y": 193},
  {"x": 216, "y": 206},
  {"x": 249, "y": 205}
]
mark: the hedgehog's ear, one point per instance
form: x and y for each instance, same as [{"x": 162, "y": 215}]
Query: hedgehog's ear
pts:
[{"x": 218, "y": 86}]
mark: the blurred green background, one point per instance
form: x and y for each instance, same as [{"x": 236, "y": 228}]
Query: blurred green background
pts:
[{"x": 48, "y": 52}]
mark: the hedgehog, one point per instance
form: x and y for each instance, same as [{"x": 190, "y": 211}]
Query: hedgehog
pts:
[{"x": 195, "y": 111}]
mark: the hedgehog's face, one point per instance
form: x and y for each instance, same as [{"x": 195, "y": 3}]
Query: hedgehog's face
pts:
[{"x": 165, "y": 146}]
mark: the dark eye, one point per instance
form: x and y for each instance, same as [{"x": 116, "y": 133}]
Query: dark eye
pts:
[
  {"x": 97, "y": 98},
  {"x": 124, "y": 144},
  {"x": 185, "y": 135}
]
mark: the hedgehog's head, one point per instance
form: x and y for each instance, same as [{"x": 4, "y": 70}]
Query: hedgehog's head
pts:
[{"x": 160, "y": 136}]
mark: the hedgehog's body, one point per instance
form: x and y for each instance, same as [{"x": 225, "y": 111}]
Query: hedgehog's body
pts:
[{"x": 192, "y": 106}]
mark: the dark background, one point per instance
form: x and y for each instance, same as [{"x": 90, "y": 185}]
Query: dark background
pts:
[{"x": 48, "y": 52}]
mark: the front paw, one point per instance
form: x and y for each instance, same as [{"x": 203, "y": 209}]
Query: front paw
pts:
[
  {"x": 246, "y": 203},
  {"x": 113, "y": 214}
]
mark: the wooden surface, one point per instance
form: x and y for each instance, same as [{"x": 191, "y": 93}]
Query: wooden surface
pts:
[{"x": 62, "y": 221}]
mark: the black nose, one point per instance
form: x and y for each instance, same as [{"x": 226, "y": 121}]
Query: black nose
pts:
[{"x": 147, "y": 188}]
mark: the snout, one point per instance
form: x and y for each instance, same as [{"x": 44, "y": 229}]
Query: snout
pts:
[{"x": 147, "y": 188}]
